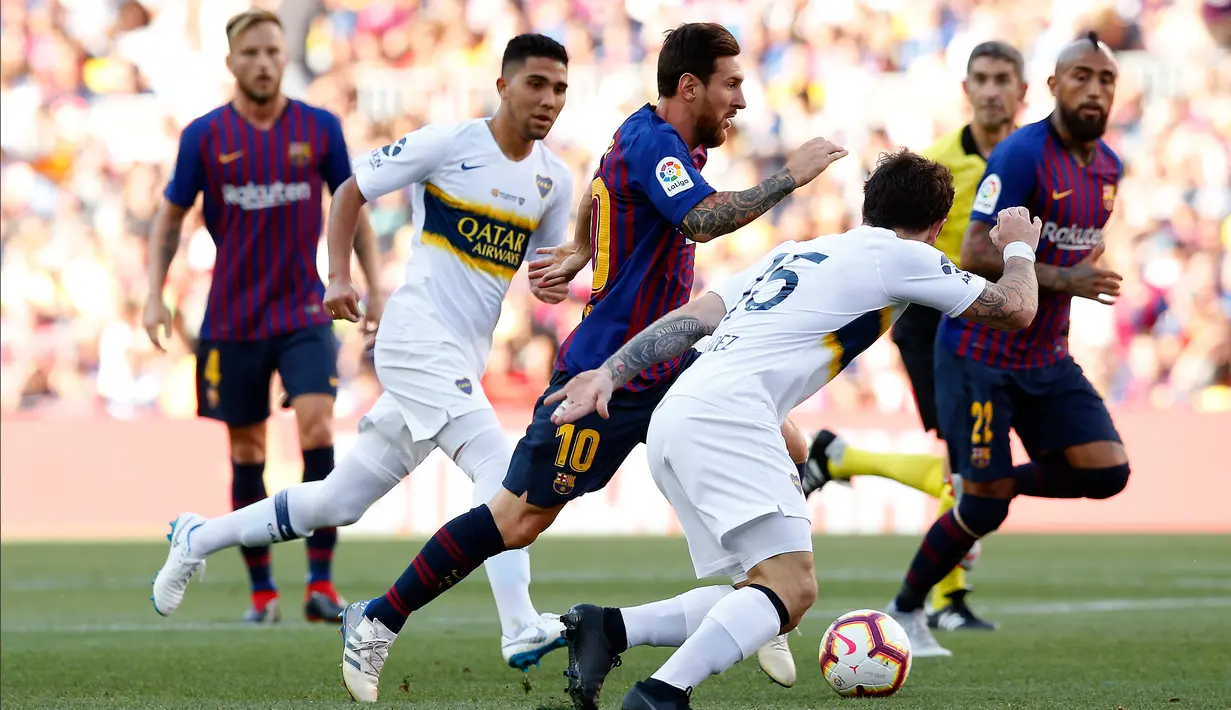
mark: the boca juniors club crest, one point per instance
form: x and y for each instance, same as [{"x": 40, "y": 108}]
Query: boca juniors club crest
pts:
[
  {"x": 464, "y": 385},
  {"x": 1109, "y": 197},
  {"x": 299, "y": 153},
  {"x": 564, "y": 483},
  {"x": 543, "y": 184}
]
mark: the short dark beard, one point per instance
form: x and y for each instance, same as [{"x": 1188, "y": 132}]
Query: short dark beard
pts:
[
  {"x": 256, "y": 98},
  {"x": 1083, "y": 130},
  {"x": 709, "y": 134}
]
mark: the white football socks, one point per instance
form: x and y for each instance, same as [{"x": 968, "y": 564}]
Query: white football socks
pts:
[
  {"x": 671, "y": 621},
  {"x": 369, "y": 470},
  {"x": 737, "y": 625}
]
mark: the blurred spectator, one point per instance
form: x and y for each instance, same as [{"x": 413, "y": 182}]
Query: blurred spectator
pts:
[{"x": 93, "y": 94}]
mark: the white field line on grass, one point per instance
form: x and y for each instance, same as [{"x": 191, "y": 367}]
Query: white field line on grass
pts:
[{"x": 819, "y": 615}]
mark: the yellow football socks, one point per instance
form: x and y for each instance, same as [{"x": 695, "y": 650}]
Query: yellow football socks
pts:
[
  {"x": 924, "y": 472},
  {"x": 956, "y": 579}
]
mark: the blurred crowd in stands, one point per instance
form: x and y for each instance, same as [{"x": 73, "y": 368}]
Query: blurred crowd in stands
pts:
[{"x": 95, "y": 92}]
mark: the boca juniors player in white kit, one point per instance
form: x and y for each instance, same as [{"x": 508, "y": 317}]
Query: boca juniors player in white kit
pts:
[
  {"x": 780, "y": 330},
  {"x": 485, "y": 193}
]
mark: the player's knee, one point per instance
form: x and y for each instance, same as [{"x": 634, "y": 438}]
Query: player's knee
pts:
[
  {"x": 979, "y": 515},
  {"x": 314, "y": 413},
  {"x": 315, "y": 433},
  {"x": 519, "y": 522},
  {"x": 792, "y": 577},
  {"x": 1103, "y": 483},
  {"x": 247, "y": 443}
]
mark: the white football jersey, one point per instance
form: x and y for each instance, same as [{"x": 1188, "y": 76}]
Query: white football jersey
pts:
[
  {"x": 476, "y": 215},
  {"x": 806, "y": 309}
]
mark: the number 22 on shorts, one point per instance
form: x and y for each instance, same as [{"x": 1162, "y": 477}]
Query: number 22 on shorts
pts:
[
  {"x": 981, "y": 434},
  {"x": 577, "y": 448}
]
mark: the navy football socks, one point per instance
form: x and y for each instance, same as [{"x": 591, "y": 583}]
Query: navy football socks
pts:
[
  {"x": 248, "y": 487},
  {"x": 454, "y": 552},
  {"x": 944, "y": 546},
  {"x": 317, "y": 464}
]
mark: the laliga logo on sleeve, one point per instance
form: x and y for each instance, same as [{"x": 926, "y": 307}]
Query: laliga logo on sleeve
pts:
[
  {"x": 988, "y": 195},
  {"x": 672, "y": 176}
]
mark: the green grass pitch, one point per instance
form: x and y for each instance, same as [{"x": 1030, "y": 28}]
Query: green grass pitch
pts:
[{"x": 1098, "y": 622}]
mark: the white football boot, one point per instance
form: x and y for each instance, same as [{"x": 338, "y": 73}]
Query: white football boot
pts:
[
  {"x": 365, "y": 646},
  {"x": 172, "y": 580},
  {"x": 922, "y": 643},
  {"x": 535, "y": 640},
  {"x": 777, "y": 662}
]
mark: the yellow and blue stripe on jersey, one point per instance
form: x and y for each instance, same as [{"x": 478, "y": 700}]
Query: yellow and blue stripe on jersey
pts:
[
  {"x": 845, "y": 343},
  {"x": 483, "y": 237}
]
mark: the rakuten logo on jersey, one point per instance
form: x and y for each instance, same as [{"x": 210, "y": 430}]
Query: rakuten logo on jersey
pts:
[
  {"x": 1073, "y": 237},
  {"x": 262, "y": 197}
]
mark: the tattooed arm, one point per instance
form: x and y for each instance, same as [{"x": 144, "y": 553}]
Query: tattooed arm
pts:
[
  {"x": 669, "y": 336},
  {"x": 164, "y": 241},
  {"x": 1011, "y": 302},
  {"x": 724, "y": 212}
]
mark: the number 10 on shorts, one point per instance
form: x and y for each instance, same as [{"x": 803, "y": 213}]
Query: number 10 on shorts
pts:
[{"x": 577, "y": 448}]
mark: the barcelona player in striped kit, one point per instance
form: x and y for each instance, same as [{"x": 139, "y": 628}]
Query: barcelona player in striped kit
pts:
[
  {"x": 990, "y": 381},
  {"x": 262, "y": 162},
  {"x": 648, "y": 207}
]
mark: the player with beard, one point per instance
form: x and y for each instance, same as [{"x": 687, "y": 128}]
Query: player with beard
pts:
[
  {"x": 990, "y": 381},
  {"x": 648, "y": 205},
  {"x": 995, "y": 86},
  {"x": 262, "y": 161}
]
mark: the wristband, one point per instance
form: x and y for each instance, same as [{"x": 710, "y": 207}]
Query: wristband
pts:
[{"x": 1018, "y": 249}]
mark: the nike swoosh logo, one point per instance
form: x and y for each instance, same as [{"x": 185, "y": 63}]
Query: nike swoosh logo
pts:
[
  {"x": 471, "y": 167},
  {"x": 1060, "y": 195},
  {"x": 850, "y": 645},
  {"x": 225, "y": 158}
]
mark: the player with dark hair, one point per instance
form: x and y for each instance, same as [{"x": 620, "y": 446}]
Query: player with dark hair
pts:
[
  {"x": 261, "y": 161},
  {"x": 484, "y": 194},
  {"x": 995, "y": 86},
  {"x": 779, "y": 331},
  {"x": 987, "y": 381},
  {"x": 648, "y": 205}
]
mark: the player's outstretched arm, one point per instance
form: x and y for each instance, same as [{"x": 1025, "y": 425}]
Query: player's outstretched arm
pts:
[
  {"x": 667, "y": 337},
  {"x": 1012, "y": 302},
  {"x": 163, "y": 243},
  {"x": 1085, "y": 278},
  {"x": 724, "y": 212}
]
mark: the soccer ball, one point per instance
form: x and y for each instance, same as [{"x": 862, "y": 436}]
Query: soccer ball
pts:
[{"x": 865, "y": 654}]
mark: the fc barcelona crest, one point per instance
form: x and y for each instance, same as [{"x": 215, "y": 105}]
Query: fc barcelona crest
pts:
[
  {"x": 300, "y": 154},
  {"x": 981, "y": 456},
  {"x": 564, "y": 483},
  {"x": 1109, "y": 197},
  {"x": 543, "y": 184}
]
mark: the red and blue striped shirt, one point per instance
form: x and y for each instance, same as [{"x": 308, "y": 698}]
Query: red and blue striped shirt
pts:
[
  {"x": 1032, "y": 168},
  {"x": 646, "y": 183},
  {"x": 262, "y": 207}
]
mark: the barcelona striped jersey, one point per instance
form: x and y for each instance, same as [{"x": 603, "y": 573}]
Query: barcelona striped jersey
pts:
[
  {"x": 1033, "y": 169},
  {"x": 262, "y": 206},
  {"x": 645, "y": 184}
]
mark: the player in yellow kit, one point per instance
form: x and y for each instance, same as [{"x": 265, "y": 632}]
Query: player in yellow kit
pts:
[{"x": 995, "y": 86}]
